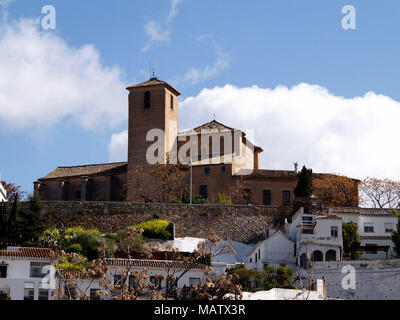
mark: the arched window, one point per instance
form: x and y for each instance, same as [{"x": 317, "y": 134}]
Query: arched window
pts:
[
  {"x": 330, "y": 255},
  {"x": 317, "y": 256},
  {"x": 147, "y": 99}
]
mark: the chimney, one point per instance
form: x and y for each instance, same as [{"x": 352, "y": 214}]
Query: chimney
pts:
[
  {"x": 296, "y": 167},
  {"x": 321, "y": 287}
]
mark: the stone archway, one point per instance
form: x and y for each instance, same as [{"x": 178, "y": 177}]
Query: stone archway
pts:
[
  {"x": 317, "y": 256},
  {"x": 330, "y": 255}
]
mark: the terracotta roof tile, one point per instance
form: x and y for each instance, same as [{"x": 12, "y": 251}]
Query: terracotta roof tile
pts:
[
  {"x": 154, "y": 82},
  {"x": 36, "y": 253},
  {"x": 86, "y": 170},
  {"x": 153, "y": 264}
]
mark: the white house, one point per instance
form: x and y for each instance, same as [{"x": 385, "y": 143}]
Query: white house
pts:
[
  {"x": 3, "y": 193},
  {"x": 317, "y": 237},
  {"x": 276, "y": 250},
  {"x": 375, "y": 228},
  {"x": 26, "y": 273},
  {"x": 189, "y": 274}
]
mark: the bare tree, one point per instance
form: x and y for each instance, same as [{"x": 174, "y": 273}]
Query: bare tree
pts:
[{"x": 380, "y": 193}]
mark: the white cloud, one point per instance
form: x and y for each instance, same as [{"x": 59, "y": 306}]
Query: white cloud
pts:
[
  {"x": 156, "y": 33},
  {"x": 174, "y": 9},
  {"x": 160, "y": 33},
  {"x": 118, "y": 147},
  {"x": 308, "y": 124},
  {"x": 44, "y": 81},
  {"x": 196, "y": 75}
]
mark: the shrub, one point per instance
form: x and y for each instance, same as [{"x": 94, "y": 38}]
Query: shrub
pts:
[
  {"x": 223, "y": 199},
  {"x": 156, "y": 229},
  {"x": 90, "y": 243},
  {"x": 76, "y": 247}
]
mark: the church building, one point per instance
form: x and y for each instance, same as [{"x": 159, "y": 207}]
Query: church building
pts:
[{"x": 221, "y": 158}]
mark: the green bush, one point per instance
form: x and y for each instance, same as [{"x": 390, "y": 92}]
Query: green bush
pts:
[
  {"x": 76, "y": 247},
  {"x": 90, "y": 242},
  {"x": 223, "y": 199},
  {"x": 156, "y": 229}
]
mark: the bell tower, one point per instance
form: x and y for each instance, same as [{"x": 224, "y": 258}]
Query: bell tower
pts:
[{"x": 152, "y": 105}]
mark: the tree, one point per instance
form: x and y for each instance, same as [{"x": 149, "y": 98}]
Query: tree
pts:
[
  {"x": 160, "y": 183},
  {"x": 351, "y": 238},
  {"x": 253, "y": 280},
  {"x": 304, "y": 187},
  {"x": 12, "y": 234},
  {"x": 31, "y": 222},
  {"x": 396, "y": 238},
  {"x": 13, "y": 190},
  {"x": 74, "y": 285},
  {"x": 380, "y": 193},
  {"x": 336, "y": 190}
]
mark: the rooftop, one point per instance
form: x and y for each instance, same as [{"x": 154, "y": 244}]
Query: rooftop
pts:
[
  {"x": 153, "y": 264},
  {"x": 20, "y": 252},
  {"x": 86, "y": 170},
  {"x": 154, "y": 81}
]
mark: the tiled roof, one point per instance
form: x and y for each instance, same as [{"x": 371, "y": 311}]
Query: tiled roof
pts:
[
  {"x": 86, "y": 170},
  {"x": 212, "y": 125},
  {"x": 329, "y": 217},
  {"x": 272, "y": 174},
  {"x": 153, "y": 264},
  {"x": 154, "y": 82},
  {"x": 362, "y": 212},
  {"x": 35, "y": 253}
]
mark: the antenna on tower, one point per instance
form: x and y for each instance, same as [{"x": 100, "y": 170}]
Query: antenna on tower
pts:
[{"x": 154, "y": 68}]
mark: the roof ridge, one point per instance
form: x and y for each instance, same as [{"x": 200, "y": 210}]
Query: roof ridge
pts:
[{"x": 94, "y": 164}]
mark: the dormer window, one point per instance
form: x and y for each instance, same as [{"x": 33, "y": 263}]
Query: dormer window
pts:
[{"x": 147, "y": 100}]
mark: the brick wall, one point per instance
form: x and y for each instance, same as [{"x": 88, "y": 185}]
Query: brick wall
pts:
[{"x": 237, "y": 223}]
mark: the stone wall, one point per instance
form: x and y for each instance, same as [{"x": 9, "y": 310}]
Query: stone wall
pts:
[
  {"x": 246, "y": 224},
  {"x": 373, "y": 279}
]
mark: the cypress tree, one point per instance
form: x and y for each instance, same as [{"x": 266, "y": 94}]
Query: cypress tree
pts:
[
  {"x": 12, "y": 234},
  {"x": 304, "y": 187}
]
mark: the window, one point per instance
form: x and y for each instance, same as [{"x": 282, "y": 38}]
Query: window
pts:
[
  {"x": 78, "y": 195},
  {"x": 43, "y": 294},
  {"x": 204, "y": 192},
  {"x": 388, "y": 227},
  {"x": 368, "y": 227},
  {"x": 117, "y": 280},
  {"x": 207, "y": 170},
  {"x": 3, "y": 271},
  {"x": 147, "y": 99},
  {"x": 37, "y": 269},
  {"x": 286, "y": 197},
  {"x": 371, "y": 249},
  {"x": 29, "y": 294},
  {"x": 156, "y": 281},
  {"x": 334, "y": 232},
  {"x": 251, "y": 260},
  {"x": 267, "y": 197},
  {"x": 247, "y": 195},
  {"x": 172, "y": 101},
  {"x": 194, "y": 282},
  {"x": 256, "y": 258},
  {"x": 223, "y": 169},
  {"x": 259, "y": 254},
  {"x": 94, "y": 295}
]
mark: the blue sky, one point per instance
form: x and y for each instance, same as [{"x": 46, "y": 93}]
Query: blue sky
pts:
[{"x": 198, "y": 45}]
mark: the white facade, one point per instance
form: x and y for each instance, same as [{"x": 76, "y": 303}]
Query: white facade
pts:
[
  {"x": 374, "y": 227},
  {"x": 3, "y": 194},
  {"x": 275, "y": 251},
  {"x": 24, "y": 277},
  {"x": 317, "y": 237}
]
